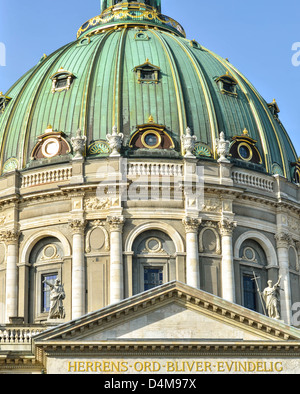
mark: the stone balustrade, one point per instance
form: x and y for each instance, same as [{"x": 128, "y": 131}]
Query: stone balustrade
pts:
[
  {"x": 48, "y": 176},
  {"x": 162, "y": 169},
  {"x": 253, "y": 180},
  {"x": 18, "y": 335}
]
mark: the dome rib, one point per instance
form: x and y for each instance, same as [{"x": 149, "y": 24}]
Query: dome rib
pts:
[
  {"x": 208, "y": 98},
  {"x": 86, "y": 97},
  {"x": 118, "y": 78},
  {"x": 177, "y": 83}
]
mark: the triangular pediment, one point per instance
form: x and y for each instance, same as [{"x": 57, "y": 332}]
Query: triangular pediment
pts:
[{"x": 173, "y": 311}]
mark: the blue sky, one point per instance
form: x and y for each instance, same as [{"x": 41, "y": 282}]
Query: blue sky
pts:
[{"x": 257, "y": 36}]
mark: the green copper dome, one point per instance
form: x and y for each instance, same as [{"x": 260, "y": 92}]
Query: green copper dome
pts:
[{"x": 132, "y": 67}]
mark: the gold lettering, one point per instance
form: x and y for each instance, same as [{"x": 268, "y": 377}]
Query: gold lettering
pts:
[
  {"x": 207, "y": 366},
  {"x": 89, "y": 367},
  {"x": 220, "y": 367},
  {"x": 98, "y": 366},
  {"x": 199, "y": 366},
  {"x": 81, "y": 366},
  {"x": 278, "y": 369},
  {"x": 72, "y": 367}
]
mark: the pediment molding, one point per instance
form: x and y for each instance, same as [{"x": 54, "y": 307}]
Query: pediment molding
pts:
[{"x": 182, "y": 294}]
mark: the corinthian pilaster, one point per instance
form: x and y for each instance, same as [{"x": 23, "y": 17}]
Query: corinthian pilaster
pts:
[
  {"x": 11, "y": 239},
  {"x": 77, "y": 227},
  {"x": 226, "y": 227},
  {"x": 283, "y": 242},
  {"x": 191, "y": 226},
  {"x": 116, "y": 224}
]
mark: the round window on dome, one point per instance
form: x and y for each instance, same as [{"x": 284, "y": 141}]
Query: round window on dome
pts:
[
  {"x": 245, "y": 152},
  {"x": 151, "y": 139},
  {"x": 50, "y": 147}
]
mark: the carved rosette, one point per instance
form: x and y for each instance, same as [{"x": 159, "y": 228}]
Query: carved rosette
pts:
[
  {"x": 227, "y": 226},
  {"x": 191, "y": 225},
  {"x": 283, "y": 240},
  {"x": 10, "y": 237},
  {"x": 116, "y": 223},
  {"x": 77, "y": 226}
]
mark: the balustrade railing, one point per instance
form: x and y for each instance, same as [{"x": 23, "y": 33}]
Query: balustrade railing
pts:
[
  {"x": 46, "y": 176},
  {"x": 18, "y": 335},
  {"x": 253, "y": 180}
]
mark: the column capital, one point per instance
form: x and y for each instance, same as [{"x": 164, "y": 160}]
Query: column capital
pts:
[
  {"x": 191, "y": 224},
  {"x": 116, "y": 223},
  {"x": 77, "y": 226},
  {"x": 283, "y": 239},
  {"x": 227, "y": 226},
  {"x": 10, "y": 237}
]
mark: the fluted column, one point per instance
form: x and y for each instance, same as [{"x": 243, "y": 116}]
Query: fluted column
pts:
[
  {"x": 78, "y": 268},
  {"x": 116, "y": 224},
  {"x": 227, "y": 269},
  {"x": 11, "y": 239},
  {"x": 192, "y": 251},
  {"x": 283, "y": 242}
]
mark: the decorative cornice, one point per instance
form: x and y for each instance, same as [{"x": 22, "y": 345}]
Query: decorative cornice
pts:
[{"x": 177, "y": 348}]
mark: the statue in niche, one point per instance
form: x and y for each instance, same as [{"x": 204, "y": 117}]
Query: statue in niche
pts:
[
  {"x": 271, "y": 296},
  {"x": 57, "y": 295}
]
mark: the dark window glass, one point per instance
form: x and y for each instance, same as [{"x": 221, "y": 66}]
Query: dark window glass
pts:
[
  {"x": 153, "y": 277},
  {"x": 149, "y": 75},
  {"x": 151, "y": 139},
  {"x": 228, "y": 87},
  {"x": 244, "y": 152},
  {"x": 249, "y": 292},
  {"x": 61, "y": 83}
]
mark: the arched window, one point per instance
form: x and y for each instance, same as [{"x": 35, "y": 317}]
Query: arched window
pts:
[
  {"x": 153, "y": 260},
  {"x": 294, "y": 275},
  {"x": 46, "y": 260},
  {"x": 251, "y": 275}
]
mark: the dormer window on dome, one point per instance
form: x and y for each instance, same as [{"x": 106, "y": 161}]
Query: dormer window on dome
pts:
[
  {"x": 227, "y": 84},
  {"x": 243, "y": 148},
  {"x": 4, "y": 100},
  {"x": 151, "y": 136},
  {"x": 61, "y": 80},
  {"x": 296, "y": 176},
  {"x": 273, "y": 107},
  {"x": 50, "y": 144},
  {"x": 147, "y": 73}
]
